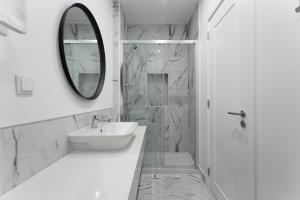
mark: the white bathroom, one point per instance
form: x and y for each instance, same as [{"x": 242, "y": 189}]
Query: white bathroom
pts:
[{"x": 137, "y": 100}]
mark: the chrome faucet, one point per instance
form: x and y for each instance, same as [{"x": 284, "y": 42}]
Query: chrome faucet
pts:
[{"x": 95, "y": 121}]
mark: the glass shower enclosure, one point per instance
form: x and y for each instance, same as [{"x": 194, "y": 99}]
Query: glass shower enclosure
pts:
[{"x": 158, "y": 91}]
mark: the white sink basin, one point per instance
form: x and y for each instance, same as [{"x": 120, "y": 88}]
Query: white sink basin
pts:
[{"x": 108, "y": 136}]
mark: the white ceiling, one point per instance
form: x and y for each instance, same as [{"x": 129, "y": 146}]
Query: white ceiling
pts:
[{"x": 158, "y": 11}]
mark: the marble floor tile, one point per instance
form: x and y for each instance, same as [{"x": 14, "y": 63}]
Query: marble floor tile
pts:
[{"x": 173, "y": 187}]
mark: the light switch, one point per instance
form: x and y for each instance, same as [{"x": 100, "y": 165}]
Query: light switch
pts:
[{"x": 24, "y": 84}]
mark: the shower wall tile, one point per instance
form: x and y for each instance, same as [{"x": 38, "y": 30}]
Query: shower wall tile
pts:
[
  {"x": 144, "y": 60},
  {"x": 176, "y": 115},
  {"x": 154, "y": 139},
  {"x": 188, "y": 31},
  {"x": 116, "y": 38},
  {"x": 176, "y": 125},
  {"x": 154, "y": 55},
  {"x": 27, "y": 149},
  {"x": 136, "y": 71},
  {"x": 175, "y": 137},
  {"x": 151, "y": 139},
  {"x": 116, "y": 61},
  {"x": 119, "y": 29},
  {"x": 120, "y": 25},
  {"x": 157, "y": 89},
  {"x": 116, "y": 101},
  {"x": 192, "y": 100},
  {"x": 157, "y": 32}
]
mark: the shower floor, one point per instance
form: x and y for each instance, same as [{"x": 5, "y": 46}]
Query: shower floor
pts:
[
  {"x": 169, "y": 159},
  {"x": 173, "y": 187},
  {"x": 180, "y": 158}
]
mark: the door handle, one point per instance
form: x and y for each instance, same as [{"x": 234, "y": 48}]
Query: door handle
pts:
[{"x": 242, "y": 114}]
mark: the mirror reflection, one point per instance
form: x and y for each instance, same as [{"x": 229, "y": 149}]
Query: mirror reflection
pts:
[{"x": 82, "y": 53}]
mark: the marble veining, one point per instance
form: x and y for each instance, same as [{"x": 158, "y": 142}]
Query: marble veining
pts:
[
  {"x": 158, "y": 84},
  {"x": 157, "y": 79},
  {"x": 27, "y": 149},
  {"x": 157, "y": 32},
  {"x": 104, "y": 175},
  {"x": 192, "y": 100},
  {"x": 173, "y": 186},
  {"x": 117, "y": 25}
]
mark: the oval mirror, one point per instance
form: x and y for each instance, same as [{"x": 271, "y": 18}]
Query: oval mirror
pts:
[{"x": 82, "y": 51}]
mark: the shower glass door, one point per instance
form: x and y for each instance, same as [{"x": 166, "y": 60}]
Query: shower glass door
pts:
[{"x": 157, "y": 91}]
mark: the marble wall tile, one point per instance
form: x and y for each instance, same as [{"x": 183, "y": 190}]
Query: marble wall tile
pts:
[
  {"x": 192, "y": 100},
  {"x": 177, "y": 125},
  {"x": 8, "y": 160},
  {"x": 157, "y": 32},
  {"x": 116, "y": 38},
  {"x": 27, "y": 149},
  {"x": 157, "y": 89},
  {"x": 153, "y": 136},
  {"x": 85, "y": 119},
  {"x": 117, "y": 24},
  {"x": 189, "y": 31},
  {"x": 145, "y": 65}
]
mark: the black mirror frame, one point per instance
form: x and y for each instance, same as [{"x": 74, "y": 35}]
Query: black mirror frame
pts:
[{"x": 100, "y": 47}]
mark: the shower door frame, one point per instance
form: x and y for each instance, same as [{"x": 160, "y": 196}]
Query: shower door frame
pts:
[{"x": 195, "y": 42}]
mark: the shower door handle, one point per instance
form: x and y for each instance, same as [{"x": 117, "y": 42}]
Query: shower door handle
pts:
[{"x": 242, "y": 114}]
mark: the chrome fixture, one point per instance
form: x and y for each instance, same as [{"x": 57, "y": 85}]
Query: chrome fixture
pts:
[
  {"x": 243, "y": 124},
  {"x": 242, "y": 114},
  {"x": 95, "y": 121}
]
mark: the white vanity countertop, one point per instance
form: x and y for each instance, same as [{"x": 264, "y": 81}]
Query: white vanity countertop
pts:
[{"x": 84, "y": 176}]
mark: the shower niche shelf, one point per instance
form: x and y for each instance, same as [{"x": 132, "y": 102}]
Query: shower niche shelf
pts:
[{"x": 157, "y": 89}]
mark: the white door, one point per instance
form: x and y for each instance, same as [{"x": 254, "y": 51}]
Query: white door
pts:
[{"x": 232, "y": 147}]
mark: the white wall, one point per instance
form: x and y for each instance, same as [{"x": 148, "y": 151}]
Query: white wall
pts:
[
  {"x": 36, "y": 54},
  {"x": 278, "y": 100}
]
